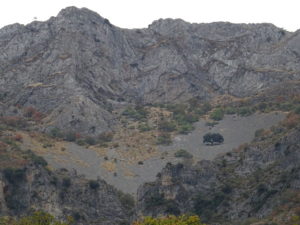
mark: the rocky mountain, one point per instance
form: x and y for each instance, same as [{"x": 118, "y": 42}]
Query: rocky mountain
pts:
[
  {"x": 250, "y": 182},
  {"x": 77, "y": 68}
]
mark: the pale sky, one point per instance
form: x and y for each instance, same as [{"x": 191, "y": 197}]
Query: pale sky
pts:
[{"x": 140, "y": 13}]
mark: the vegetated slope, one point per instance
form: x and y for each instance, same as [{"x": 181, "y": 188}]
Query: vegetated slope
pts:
[
  {"x": 77, "y": 68},
  {"x": 27, "y": 185},
  {"x": 250, "y": 182}
]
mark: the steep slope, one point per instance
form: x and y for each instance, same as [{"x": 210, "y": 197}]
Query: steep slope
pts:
[
  {"x": 77, "y": 68},
  {"x": 63, "y": 194},
  {"x": 247, "y": 183}
]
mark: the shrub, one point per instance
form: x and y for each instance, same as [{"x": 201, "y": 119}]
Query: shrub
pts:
[
  {"x": 18, "y": 137},
  {"x": 297, "y": 110},
  {"x": 56, "y": 133},
  {"x": 38, "y": 218},
  {"x": 170, "y": 220},
  {"x": 185, "y": 128},
  {"x": 90, "y": 140},
  {"x": 93, "y": 184},
  {"x": 137, "y": 113},
  {"x": 213, "y": 138},
  {"x": 230, "y": 110},
  {"x": 32, "y": 113},
  {"x": 259, "y": 133},
  {"x": 14, "y": 121},
  {"x": 105, "y": 137},
  {"x": 217, "y": 114},
  {"x": 70, "y": 136},
  {"x": 245, "y": 111},
  {"x": 167, "y": 126},
  {"x": 126, "y": 200},
  {"x": 154, "y": 200},
  {"x": 144, "y": 127},
  {"x": 164, "y": 139},
  {"x": 66, "y": 182},
  {"x": 183, "y": 154}
]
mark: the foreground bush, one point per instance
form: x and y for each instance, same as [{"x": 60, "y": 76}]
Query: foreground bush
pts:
[
  {"x": 170, "y": 220},
  {"x": 38, "y": 218}
]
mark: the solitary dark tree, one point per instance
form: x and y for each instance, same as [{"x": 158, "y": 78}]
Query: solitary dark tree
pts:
[{"x": 213, "y": 138}]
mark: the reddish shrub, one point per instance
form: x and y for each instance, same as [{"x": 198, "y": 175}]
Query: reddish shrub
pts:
[
  {"x": 33, "y": 113},
  {"x": 18, "y": 137},
  {"x": 14, "y": 121},
  {"x": 3, "y": 146},
  {"x": 291, "y": 121}
]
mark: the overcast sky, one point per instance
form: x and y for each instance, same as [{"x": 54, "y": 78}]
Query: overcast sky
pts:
[{"x": 140, "y": 13}]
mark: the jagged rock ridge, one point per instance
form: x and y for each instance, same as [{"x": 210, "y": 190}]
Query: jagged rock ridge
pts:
[{"x": 77, "y": 67}]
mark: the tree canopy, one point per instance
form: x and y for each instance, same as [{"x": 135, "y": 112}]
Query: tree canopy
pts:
[{"x": 213, "y": 138}]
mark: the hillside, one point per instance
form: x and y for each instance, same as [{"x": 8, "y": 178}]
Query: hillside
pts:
[
  {"x": 107, "y": 125},
  {"x": 77, "y": 68}
]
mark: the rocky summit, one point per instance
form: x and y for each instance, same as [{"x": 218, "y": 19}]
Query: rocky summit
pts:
[{"x": 77, "y": 68}]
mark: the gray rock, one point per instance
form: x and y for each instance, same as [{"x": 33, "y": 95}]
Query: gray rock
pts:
[{"x": 77, "y": 66}]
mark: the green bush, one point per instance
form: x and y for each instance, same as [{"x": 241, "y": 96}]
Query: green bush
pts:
[
  {"x": 164, "y": 139},
  {"x": 137, "y": 113},
  {"x": 230, "y": 110},
  {"x": 213, "y": 138},
  {"x": 93, "y": 184},
  {"x": 143, "y": 127},
  {"x": 70, "y": 136},
  {"x": 183, "y": 154},
  {"x": 56, "y": 133},
  {"x": 90, "y": 140},
  {"x": 185, "y": 128},
  {"x": 297, "y": 110},
  {"x": 66, "y": 182},
  {"x": 167, "y": 126},
  {"x": 259, "y": 132},
  {"x": 217, "y": 114},
  {"x": 245, "y": 111}
]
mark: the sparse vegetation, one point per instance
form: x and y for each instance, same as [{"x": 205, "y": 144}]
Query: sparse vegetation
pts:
[
  {"x": 183, "y": 154},
  {"x": 38, "y": 218},
  {"x": 170, "y": 220},
  {"x": 164, "y": 139},
  {"x": 217, "y": 114}
]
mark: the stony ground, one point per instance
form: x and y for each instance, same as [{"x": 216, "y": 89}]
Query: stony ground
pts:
[{"x": 120, "y": 166}]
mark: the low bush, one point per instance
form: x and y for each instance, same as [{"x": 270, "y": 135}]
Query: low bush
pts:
[
  {"x": 164, "y": 139},
  {"x": 245, "y": 111},
  {"x": 183, "y": 154},
  {"x": 66, "y": 182},
  {"x": 167, "y": 126},
  {"x": 143, "y": 127},
  {"x": 93, "y": 184},
  {"x": 217, "y": 114}
]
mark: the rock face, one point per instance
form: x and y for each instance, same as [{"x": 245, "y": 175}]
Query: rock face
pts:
[
  {"x": 61, "y": 194},
  {"x": 77, "y": 67},
  {"x": 238, "y": 185}
]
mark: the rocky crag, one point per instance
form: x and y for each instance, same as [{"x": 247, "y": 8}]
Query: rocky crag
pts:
[
  {"x": 77, "y": 68},
  {"x": 251, "y": 182},
  {"x": 62, "y": 193}
]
